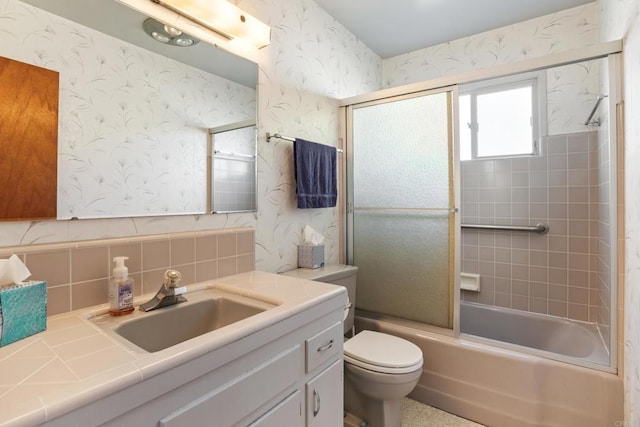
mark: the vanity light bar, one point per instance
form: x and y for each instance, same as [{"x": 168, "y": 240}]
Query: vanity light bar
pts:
[{"x": 223, "y": 18}]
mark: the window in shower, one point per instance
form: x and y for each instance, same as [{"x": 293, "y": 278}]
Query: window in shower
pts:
[{"x": 501, "y": 117}]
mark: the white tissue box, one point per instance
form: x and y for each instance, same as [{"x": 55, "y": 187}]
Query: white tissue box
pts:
[{"x": 310, "y": 256}]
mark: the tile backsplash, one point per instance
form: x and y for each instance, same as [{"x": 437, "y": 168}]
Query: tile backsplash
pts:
[{"x": 78, "y": 273}]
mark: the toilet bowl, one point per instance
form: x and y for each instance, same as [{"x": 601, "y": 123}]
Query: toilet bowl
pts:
[{"x": 380, "y": 369}]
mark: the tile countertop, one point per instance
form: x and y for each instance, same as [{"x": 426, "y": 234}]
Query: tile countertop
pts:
[{"x": 75, "y": 362}]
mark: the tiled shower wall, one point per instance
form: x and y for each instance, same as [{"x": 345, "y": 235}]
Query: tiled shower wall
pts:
[
  {"x": 555, "y": 273},
  {"x": 77, "y": 274}
]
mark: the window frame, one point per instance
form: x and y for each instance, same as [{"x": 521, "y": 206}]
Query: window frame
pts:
[{"x": 537, "y": 81}]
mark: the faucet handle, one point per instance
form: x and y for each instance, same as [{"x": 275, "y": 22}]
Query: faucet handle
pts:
[{"x": 171, "y": 278}]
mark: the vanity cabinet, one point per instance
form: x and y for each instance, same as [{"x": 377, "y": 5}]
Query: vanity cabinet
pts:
[
  {"x": 288, "y": 374},
  {"x": 324, "y": 400}
]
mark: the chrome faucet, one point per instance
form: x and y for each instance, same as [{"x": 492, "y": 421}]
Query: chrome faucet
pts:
[{"x": 168, "y": 294}]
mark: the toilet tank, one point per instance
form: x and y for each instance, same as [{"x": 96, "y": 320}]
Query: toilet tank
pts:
[{"x": 336, "y": 274}]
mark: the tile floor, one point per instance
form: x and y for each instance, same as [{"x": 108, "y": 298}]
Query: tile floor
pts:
[{"x": 416, "y": 414}]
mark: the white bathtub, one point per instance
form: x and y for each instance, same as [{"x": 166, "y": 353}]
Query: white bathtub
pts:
[
  {"x": 502, "y": 387},
  {"x": 574, "y": 339}
]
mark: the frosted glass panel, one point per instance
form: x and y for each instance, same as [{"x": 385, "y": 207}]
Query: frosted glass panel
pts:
[
  {"x": 401, "y": 208},
  {"x": 403, "y": 265},
  {"x": 401, "y": 152}
]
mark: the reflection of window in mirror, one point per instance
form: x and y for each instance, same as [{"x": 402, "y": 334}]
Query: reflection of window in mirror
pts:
[
  {"x": 233, "y": 168},
  {"x": 502, "y": 117}
]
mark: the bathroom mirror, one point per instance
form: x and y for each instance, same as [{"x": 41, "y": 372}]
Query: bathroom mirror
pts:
[{"x": 134, "y": 113}]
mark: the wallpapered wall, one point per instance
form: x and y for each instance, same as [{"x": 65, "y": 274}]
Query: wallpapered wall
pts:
[
  {"x": 133, "y": 124},
  {"x": 557, "y": 32},
  {"x": 620, "y": 19},
  {"x": 312, "y": 61}
]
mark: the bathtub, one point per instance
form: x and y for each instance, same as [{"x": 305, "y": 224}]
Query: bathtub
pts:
[
  {"x": 497, "y": 386},
  {"x": 562, "y": 337}
]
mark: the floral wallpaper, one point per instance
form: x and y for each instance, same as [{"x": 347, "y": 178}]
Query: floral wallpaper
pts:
[
  {"x": 620, "y": 19},
  {"x": 549, "y": 34},
  {"x": 132, "y": 137},
  {"x": 572, "y": 91},
  {"x": 312, "y": 61}
]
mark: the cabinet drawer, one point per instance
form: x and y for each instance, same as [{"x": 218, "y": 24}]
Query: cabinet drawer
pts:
[{"x": 324, "y": 346}]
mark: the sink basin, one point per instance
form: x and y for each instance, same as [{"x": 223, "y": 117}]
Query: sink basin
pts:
[{"x": 162, "y": 328}]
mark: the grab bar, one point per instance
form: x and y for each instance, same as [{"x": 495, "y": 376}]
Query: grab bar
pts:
[{"x": 538, "y": 228}]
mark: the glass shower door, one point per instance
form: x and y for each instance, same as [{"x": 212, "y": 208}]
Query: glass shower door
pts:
[{"x": 401, "y": 206}]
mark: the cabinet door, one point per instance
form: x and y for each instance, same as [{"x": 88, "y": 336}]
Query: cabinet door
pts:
[
  {"x": 226, "y": 405},
  {"x": 325, "y": 397},
  {"x": 286, "y": 413}
]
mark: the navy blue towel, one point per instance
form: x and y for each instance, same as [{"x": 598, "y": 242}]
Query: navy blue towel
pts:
[{"x": 315, "y": 169}]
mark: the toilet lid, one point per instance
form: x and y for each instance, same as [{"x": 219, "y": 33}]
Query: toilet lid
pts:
[{"x": 382, "y": 353}]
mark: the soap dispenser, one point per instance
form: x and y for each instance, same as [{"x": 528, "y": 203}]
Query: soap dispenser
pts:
[{"x": 120, "y": 289}]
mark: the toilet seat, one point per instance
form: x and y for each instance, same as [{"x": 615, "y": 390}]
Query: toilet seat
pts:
[{"x": 382, "y": 353}]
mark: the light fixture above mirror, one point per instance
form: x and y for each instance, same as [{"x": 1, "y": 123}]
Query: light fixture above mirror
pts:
[
  {"x": 167, "y": 34},
  {"x": 224, "y": 18}
]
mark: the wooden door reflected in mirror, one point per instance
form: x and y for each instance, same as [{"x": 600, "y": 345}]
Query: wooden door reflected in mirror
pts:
[{"x": 28, "y": 141}]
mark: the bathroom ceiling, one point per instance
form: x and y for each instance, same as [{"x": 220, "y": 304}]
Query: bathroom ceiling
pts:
[{"x": 392, "y": 27}]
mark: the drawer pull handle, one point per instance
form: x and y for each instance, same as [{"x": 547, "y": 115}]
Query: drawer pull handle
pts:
[
  {"x": 326, "y": 346},
  {"x": 316, "y": 402}
]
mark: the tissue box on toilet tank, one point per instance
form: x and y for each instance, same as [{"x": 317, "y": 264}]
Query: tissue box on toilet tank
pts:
[
  {"x": 23, "y": 311},
  {"x": 311, "y": 256}
]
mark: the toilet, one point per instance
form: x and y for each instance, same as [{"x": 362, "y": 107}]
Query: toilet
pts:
[{"x": 380, "y": 369}]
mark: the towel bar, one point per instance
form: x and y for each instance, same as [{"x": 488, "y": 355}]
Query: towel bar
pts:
[{"x": 288, "y": 138}]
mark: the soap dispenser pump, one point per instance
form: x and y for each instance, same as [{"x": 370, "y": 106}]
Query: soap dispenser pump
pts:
[{"x": 120, "y": 289}]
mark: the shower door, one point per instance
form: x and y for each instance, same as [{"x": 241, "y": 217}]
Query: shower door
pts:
[{"x": 401, "y": 216}]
